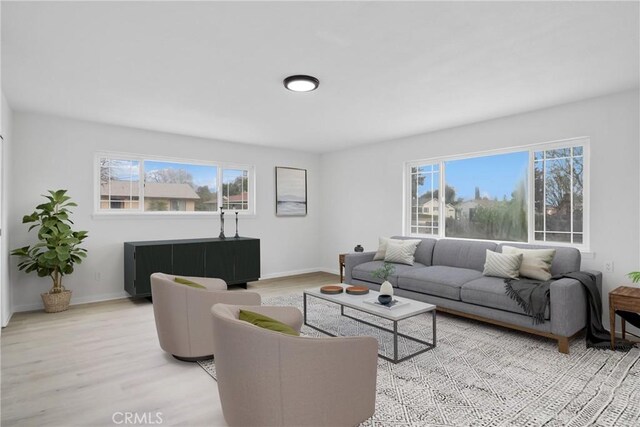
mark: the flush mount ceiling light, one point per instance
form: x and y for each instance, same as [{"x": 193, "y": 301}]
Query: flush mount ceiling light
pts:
[{"x": 301, "y": 83}]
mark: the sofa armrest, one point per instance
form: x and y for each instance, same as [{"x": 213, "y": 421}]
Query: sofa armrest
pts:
[
  {"x": 568, "y": 307},
  {"x": 354, "y": 259},
  {"x": 598, "y": 275}
]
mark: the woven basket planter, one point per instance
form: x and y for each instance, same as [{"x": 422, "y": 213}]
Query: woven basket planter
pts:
[{"x": 54, "y": 303}]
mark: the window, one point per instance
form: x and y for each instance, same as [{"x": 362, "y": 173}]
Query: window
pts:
[
  {"x": 425, "y": 181},
  {"x": 235, "y": 189},
  {"x": 119, "y": 184},
  {"x": 180, "y": 187},
  {"x": 174, "y": 186},
  {"x": 558, "y": 178},
  {"x": 487, "y": 197},
  {"x": 535, "y": 194}
]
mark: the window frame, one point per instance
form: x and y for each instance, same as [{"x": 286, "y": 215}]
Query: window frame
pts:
[
  {"x": 140, "y": 211},
  {"x": 583, "y": 141}
]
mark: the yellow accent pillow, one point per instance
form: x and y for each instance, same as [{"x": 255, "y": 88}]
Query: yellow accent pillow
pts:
[
  {"x": 188, "y": 282},
  {"x": 266, "y": 322}
]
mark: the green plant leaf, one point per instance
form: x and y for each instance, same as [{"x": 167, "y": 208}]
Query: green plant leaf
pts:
[{"x": 634, "y": 276}]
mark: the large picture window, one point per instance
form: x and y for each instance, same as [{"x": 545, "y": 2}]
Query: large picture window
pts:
[
  {"x": 535, "y": 194},
  {"x": 134, "y": 185}
]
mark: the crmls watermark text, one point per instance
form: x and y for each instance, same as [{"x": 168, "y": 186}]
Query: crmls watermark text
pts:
[{"x": 137, "y": 418}]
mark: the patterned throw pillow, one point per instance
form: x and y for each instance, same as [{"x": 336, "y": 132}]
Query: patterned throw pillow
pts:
[
  {"x": 536, "y": 263},
  {"x": 401, "y": 251},
  {"x": 502, "y": 265}
]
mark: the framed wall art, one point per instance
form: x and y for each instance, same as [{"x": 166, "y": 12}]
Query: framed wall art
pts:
[{"x": 291, "y": 191}]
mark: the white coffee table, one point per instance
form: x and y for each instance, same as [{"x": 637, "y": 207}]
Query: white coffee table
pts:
[{"x": 410, "y": 308}]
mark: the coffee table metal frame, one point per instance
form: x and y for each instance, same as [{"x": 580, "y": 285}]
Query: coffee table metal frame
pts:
[{"x": 376, "y": 312}]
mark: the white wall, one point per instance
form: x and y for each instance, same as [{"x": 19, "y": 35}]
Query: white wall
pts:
[
  {"x": 363, "y": 185},
  {"x": 52, "y": 153},
  {"x": 5, "y": 178}
]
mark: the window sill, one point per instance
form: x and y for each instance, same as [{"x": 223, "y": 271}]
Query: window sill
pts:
[{"x": 167, "y": 215}]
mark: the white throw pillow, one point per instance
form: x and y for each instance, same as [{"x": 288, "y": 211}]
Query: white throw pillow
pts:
[
  {"x": 401, "y": 251},
  {"x": 536, "y": 263},
  {"x": 502, "y": 265},
  {"x": 382, "y": 248}
]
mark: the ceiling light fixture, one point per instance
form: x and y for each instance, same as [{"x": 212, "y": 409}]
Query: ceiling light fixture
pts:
[{"x": 301, "y": 83}]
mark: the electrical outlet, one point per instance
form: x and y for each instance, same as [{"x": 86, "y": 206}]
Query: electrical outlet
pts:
[{"x": 608, "y": 266}]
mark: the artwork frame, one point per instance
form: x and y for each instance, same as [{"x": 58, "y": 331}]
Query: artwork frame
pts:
[{"x": 291, "y": 191}]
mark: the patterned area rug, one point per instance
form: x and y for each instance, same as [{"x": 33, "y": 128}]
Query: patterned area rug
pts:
[{"x": 483, "y": 375}]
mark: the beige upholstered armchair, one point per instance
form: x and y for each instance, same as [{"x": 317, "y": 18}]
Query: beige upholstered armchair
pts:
[
  {"x": 183, "y": 313},
  {"x": 267, "y": 378}
]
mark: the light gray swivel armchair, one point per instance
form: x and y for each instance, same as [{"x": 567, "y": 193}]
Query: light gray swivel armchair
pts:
[
  {"x": 183, "y": 313},
  {"x": 267, "y": 378}
]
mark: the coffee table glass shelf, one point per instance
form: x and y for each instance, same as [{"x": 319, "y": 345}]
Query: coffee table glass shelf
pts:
[{"x": 405, "y": 309}]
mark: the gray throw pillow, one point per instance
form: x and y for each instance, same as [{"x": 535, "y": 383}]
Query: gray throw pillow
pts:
[{"x": 502, "y": 265}]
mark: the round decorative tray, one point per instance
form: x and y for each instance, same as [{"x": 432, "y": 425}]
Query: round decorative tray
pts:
[
  {"x": 331, "y": 289},
  {"x": 357, "y": 290}
]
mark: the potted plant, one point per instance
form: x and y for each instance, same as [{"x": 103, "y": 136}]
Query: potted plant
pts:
[
  {"x": 386, "y": 289},
  {"x": 634, "y": 276},
  {"x": 58, "y": 248}
]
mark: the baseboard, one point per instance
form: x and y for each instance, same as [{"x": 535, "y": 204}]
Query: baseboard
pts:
[
  {"x": 294, "y": 273},
  {"x": 330, "y": 271},
  {"x": 6, "y": 321},
  {"x": 74, "y": 301}
]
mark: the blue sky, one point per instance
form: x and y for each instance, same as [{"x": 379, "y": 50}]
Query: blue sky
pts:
[{"x": 495, "y": 175}]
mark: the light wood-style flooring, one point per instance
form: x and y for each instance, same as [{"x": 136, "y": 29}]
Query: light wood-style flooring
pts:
[{"x": 94, "y": 362}]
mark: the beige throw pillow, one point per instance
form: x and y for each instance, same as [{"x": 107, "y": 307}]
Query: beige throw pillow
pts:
[
  {"x": 536, "y": 263},
  {"x": 502, "y": 265},
  {"x": 401, "y": 251},
  {"x": 382, "y": 248}
]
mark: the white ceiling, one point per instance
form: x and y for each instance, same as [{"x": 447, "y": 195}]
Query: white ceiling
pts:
[{"x": 386, "y": 69}]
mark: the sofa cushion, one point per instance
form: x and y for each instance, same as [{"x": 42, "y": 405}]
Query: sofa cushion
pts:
[
  {"x": 566, "y": 260},
  {"x": 490, "y": 292},
  {"x": 461, "y": 253},
  {"x": 363, "y": 271},
  {"x": 437, "y": 280},
  {"x": 424, "y": 252}
]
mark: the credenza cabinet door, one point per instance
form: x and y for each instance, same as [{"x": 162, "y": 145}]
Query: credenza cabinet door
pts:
[
  {"x": 150, "y": 259},
  {"x": 247, "y": 260},
  {"x": 189, "y": 259},
  {"x": 219, "y": 261}
]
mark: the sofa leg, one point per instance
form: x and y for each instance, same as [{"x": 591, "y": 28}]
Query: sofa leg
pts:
[{"x": 563, "y": 345}]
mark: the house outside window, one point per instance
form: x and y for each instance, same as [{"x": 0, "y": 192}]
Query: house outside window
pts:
[
  {"x": 533, "y": 194},
  {"x": 171, "y": 186}
]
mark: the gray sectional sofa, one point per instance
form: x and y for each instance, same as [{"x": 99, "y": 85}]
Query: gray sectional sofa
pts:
[{"x": 448, "y": 273}]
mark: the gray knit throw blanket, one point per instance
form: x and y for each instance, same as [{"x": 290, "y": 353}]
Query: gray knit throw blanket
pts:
[{"x": 531, "y": 295}]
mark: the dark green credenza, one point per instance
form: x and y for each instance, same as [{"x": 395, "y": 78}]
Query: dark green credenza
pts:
[{"x": 236, "y": 261}]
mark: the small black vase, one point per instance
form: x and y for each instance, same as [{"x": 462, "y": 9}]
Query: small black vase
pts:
[
  {"x": 385, "y": 299},
  {"x": 358, "y": 249}
]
